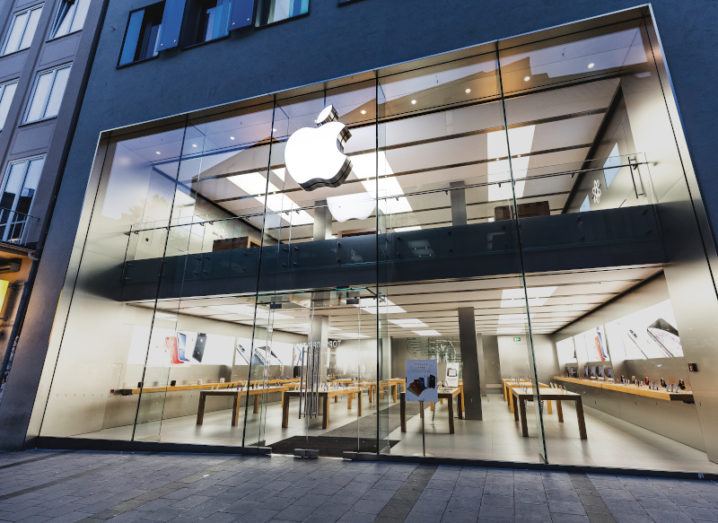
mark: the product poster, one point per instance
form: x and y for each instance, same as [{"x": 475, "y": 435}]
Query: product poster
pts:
[
  {"x": 452, "y": 375},
  {"x": 599, "y": 344},
  {"x": 421, "y": 380},
  {"x": 648, "y": 333}
]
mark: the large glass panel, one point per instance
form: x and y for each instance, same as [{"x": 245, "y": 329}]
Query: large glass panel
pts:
[
  {"x": 598, "y": 184},
  {"x": 106, "y": 340},
  {"x": 510, "y": 228},
  {"x": 449, "y": 264},
  {"x": 206, "y": 295},
  {"x": 318, "y": 269}
]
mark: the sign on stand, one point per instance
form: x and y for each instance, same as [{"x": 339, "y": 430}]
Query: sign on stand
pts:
[{"x": 421, "y": 382}]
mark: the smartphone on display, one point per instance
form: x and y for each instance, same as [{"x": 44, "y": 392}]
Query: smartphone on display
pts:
[
  {"x": 666, "y": 336},
  {"x": 182, "y": 340},
  {"x": 600, "y": 345},
  {"x": 172, "y": 346},
  {"x": 199, "y": 346}
]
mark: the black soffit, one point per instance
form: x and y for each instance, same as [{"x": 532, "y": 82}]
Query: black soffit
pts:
[{"x": 605, "y": 238}]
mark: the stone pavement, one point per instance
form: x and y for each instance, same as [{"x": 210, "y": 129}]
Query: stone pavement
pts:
[{"x": 99, "y": 486}]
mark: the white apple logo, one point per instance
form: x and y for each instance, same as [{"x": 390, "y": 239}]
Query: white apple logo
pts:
[{"x": 315, "y": 155}]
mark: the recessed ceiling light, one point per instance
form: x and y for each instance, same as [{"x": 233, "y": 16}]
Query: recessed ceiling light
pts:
[
  {"x": 591, "y": 65},
  {"x": 231, "y": 138},
  {"x": 194, "y": 145},
  {"x": 158, "y": 153},
  {"x": 363, "y": 111},
  {"x": 274, "y": 129},
  {"x": 413, "y": 102},
  {"x": 527, "y": 78},
  {"x": 467, "y": 90}
]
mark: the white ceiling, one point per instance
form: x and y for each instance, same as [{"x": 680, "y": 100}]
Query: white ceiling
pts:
[{"x": 555, "y": 299}]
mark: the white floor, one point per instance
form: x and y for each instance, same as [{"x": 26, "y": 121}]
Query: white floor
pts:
[{"x": 611, "y": 442}]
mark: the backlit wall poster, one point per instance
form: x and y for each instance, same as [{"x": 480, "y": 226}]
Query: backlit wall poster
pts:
[
  {"x": 566, "y": 351},
  {"x": 591, "y": 345},
  {"x": 648, "y": 333},
  {"x": 168, "y": 347},
  {"x": 421, "y": 380}
]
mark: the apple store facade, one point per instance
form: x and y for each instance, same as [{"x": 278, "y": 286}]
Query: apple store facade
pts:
[{"x": 519, "y": 218}]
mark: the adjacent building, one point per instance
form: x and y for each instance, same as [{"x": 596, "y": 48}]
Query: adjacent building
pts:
[
  {"x": 476, "y": 230},
  {"x": 45, "y": 50}
]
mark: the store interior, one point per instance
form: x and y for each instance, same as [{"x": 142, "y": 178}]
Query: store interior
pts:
[{"x": 504, "y": 218}]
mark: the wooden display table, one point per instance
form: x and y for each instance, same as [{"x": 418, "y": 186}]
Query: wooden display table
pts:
[
  {"x": 663, "y": 395},
  {"x": 341, "y": 381},
  {"x": 448, "y": 394},
  {"x": 522, "y": 395},
  {"x": 290, "y": 382},
  {"x": 350, "y": 392},
  {"x": 394, "y": 385},
  {"x": 510, "y": 385},
  {"x": 236, "y": 394}
]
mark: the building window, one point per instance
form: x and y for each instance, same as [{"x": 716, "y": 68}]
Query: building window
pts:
[
  {"x": 22, "y": 29},
  {"x": 7, "y": 92},
  {"x": 70, "y": 17},
  {"x": 210, "y": 20},
  {"x": 18, "y": 190},
  {"x": 271, "y": 11},
  {"x": 47, "y": 94},
  {"x": 142, "y": 35}
]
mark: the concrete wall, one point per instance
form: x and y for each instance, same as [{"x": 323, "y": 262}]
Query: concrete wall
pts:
[{"x": 514, "y": 357}]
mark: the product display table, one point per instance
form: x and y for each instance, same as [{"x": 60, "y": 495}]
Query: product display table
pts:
[
  {"x": 447, "y": 394},
  {"x": 235, "y": 394},
  {"x": 684, "y": 395},
  {"x": 394, "y": 385},
  {"x": 350, "y": 392},
  {"x": 509, "y": 385},
  {"x": 289, "y": 382},
  {"x": 522, "y": 395}
]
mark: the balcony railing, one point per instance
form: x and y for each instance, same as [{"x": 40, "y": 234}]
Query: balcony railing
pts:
[{"x": 16, "y": 228}]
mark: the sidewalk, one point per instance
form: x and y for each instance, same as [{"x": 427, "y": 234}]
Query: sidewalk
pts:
[{"x": 99, "y": 486}]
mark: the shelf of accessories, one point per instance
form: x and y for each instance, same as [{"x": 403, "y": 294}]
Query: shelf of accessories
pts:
[{"x": 634, "y": 390}]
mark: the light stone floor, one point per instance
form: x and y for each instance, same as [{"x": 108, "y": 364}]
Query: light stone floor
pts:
[
  {"x": 611, "y": 442},
  {"x": 138, "y": 487}
]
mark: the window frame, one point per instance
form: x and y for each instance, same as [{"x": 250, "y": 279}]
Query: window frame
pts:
[
  {"x": 55, "y": 23},
  {"x": 260, "y": 8},
  {"x": 36, "y": 80},
  {"x": 191, "y": 25},
  {"x": 3, "y": 86},
  {"x": 7, "y": 227},
  {"x": 13, "y": 17},
  {"x": 120, "y": 65}
]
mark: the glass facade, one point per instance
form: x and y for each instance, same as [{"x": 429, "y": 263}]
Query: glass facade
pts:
[{"x": 475, "y": 255}]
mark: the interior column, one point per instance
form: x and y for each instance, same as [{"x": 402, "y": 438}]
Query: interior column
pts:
[
  {"x": 470, "y": 357},
  {"x": 458, "y": 203}
]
